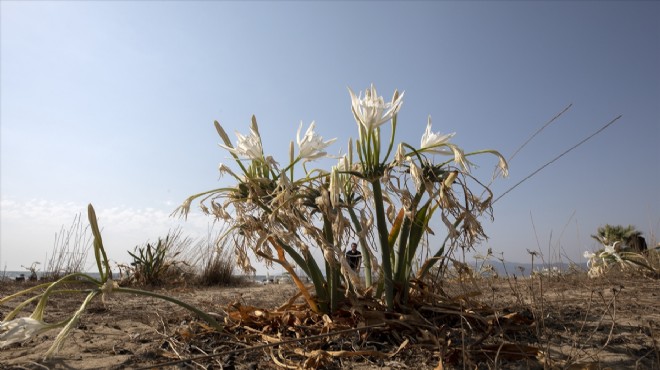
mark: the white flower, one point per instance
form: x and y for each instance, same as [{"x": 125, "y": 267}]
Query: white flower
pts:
[
  {"x": 589, "y": 255},
  {"x": 372, "y": 111},
  {"x": 248, "y": 146},
  {"x": 311, "y": 145},
  {"x": 435, "y": 142},
  {"x": 439, "y": 144},
  {"x": 19, "y": 330},
  {"x": 611, "y": 249}
]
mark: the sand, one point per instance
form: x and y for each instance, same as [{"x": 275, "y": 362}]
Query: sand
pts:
[{"x": 568, "y": 322}]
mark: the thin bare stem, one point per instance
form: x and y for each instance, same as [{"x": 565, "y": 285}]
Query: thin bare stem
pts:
[{"x": 556, "y": 158}]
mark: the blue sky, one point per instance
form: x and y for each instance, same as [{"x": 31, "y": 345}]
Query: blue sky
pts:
[{"x": 112, "y": 103}]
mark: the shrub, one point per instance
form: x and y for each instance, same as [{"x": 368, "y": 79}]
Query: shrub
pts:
[{"x": 155, "y": 264}]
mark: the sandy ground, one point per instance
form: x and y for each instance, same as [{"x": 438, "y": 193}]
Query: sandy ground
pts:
[{"x": 567, "y": 322}]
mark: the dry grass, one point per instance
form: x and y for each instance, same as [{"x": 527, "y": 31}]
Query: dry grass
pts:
[
  {"x": 212, "y": 261},
  {"x": 69, "y": 253}
]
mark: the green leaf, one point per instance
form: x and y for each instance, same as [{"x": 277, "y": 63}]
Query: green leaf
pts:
[
  {"x": 99, "y": 252},
  {"x": 417, "y": 230},
  {"x": 396, "y": 228}
]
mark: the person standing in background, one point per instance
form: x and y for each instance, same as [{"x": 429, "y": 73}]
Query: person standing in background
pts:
[{"x": 354, "y": 258}]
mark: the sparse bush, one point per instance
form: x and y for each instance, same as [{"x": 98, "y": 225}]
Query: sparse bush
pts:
[
  {"x": 156, "y": 265},
  {"x": 69, "y": 250}
]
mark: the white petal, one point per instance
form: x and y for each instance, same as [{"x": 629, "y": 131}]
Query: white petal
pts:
[
  {"x": 372, "y": 111},
  {"x": 312, "y": 146},
  {"x": 435, "y": 142},
  {"x": 19, "y": 330}
]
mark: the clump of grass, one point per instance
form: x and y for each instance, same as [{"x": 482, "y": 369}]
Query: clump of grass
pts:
[
  {"x": 70, "y": 250},
  {"x": 211, "y": 260},
  {"x": 217, "y": 267}
]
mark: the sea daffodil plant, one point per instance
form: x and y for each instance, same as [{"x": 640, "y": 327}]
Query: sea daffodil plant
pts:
[
  {"x": 390, "y": 191},
  {"x": 611, "y": 255}
]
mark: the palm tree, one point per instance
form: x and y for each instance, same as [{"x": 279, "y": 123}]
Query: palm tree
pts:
[{"x": 627, "y": 236}]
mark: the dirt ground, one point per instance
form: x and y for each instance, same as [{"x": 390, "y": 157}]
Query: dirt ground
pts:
[{"x": 567, "y": 322}]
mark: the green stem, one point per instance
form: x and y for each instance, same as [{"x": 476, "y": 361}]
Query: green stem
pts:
[
  {"x": 332, "y": 269},
  {"x": 318, "y": 280},
  {"x": 384, "y": 243},
  {"x": 389, "y": 148},
  {"x": 402, "y": 255},
  {"x": 416, "y": 230},
  {"x": 44, "y": 285},
  {"x": 368, "y": 153},
  {"x": 399, "y": 263},
  {"x": 41, "y": 306}
]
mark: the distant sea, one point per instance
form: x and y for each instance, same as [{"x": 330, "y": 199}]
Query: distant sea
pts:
[
  {"x": 12, "y": 275},
  {"x": 511, "y": 268}
]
